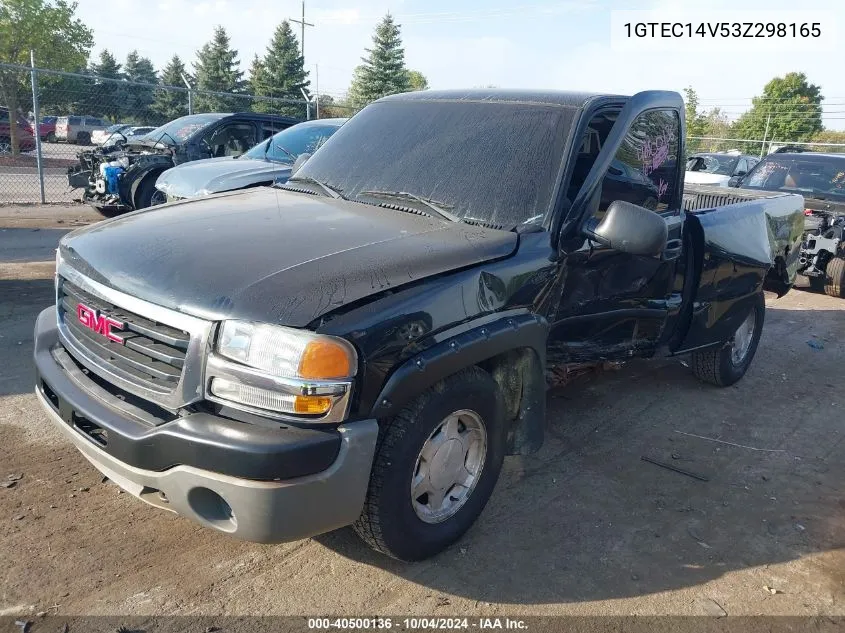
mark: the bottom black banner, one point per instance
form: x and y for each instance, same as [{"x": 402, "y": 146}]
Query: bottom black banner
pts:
[{"x": 304, "y": 624}]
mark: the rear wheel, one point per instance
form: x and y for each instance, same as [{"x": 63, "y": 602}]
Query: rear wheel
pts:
[
  {"x": 834, "y": 277},
  {"x": 51, "y": 137},
  {"x": 436, "y": 464},
  {"x": 83, "y": 138},
  {"x": 5, "y": 146},
  {"x": 726, "y": 365}
]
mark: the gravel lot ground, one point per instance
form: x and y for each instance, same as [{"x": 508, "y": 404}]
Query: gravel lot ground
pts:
[{"x": 583, "y": 527}]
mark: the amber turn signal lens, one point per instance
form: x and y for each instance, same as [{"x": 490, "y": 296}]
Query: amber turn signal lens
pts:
[
  {"x": 312, "y": 404},
  {"x": 325, "y": 360}
]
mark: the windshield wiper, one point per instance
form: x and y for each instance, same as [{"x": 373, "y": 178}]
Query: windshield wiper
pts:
[
  {"x": 286, "y": 151},
  {"x": 404, "y": 195},
  {"x": 333, "y": 192}
]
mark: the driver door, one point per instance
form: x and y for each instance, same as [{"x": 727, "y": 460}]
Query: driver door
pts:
[{"x": 612, "y": 303}]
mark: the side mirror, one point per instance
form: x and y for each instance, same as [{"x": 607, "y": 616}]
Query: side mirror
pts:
[
  {"x": 299, "y": 162},
  {"x": 740, "y": 174},
  {"x": 735, "y": 181},
  {"x": 630, "y": 228}
]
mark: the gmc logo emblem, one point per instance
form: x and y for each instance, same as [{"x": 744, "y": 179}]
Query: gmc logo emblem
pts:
[{"x": 99, "y": 323}]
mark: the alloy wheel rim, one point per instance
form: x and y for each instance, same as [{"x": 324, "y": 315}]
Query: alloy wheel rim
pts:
[
  {"x": 741, "y": 342},
  {"x": 158, "y": 198},
  {"x": 449, "y": 466}
]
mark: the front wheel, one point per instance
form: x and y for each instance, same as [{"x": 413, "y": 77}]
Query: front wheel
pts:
[
  {"x": 726, "y": 365},
  {"x": 435, "y": 467}
]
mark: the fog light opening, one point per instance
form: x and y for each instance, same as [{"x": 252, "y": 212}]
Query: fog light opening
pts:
[{"x": 212, "y": 509}]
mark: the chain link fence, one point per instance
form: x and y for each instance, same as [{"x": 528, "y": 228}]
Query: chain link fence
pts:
[
  {"x": 74, "y": 110},
  {"x": 755, "y": 147}
]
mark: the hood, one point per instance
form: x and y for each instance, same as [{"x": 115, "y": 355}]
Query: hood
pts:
[
  {"x": 271, "y": 255},
  {"x": 214, "y": 175},
  {"x": 703, "y": 178}
]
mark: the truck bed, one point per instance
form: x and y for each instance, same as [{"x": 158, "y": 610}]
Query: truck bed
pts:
[{"x": 762, "y": 225}]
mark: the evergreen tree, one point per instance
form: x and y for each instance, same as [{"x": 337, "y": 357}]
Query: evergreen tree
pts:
[
  {"x": 218, "y": 70},
  {"x": 383, "y": 71},
  {"x": 139, "y": 69},
  {"x": 108, "y": 94},
  {"x": 256, "y": 72},
  {"x": 281, "y": 73},
  {"x": 170, "y": 104}
]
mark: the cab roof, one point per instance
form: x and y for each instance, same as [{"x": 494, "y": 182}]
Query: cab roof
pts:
[{"x": 498, "y": 95}]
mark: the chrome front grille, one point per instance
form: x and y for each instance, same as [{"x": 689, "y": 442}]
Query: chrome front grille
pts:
[
  {"x": 160, "y": 357},
  {"x": 152, "y": 352}
]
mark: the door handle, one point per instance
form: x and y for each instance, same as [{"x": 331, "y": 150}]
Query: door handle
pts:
[{"x": 672, "y": 249}]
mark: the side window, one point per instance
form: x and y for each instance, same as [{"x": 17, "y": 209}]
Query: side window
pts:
[
  {"x": 232, "y": 139},
  {"x": 644, "y": 169}
]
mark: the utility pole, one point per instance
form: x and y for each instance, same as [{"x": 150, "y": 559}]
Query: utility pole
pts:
[
  {"x": 317, "y": 90},
  {"x": 303, "y": 24},
  {"x": 765, "y": 134}
]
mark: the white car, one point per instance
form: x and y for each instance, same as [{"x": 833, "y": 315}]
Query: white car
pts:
[
  {"x": 101, "y": 137},
  {"x": 717, "y": 168}
]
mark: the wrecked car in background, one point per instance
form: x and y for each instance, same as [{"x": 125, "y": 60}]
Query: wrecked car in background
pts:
[
  {"x": 268, "y": 162},
  {"x": 120, "y": 177},
  {"x": 365, "y": 343},
  {"x": 820, "y": 178}
]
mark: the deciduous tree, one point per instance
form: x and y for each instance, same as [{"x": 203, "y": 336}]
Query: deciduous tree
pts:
[
  {"x": 50, "y": 28},
  {"x": 792, "y": 106}
]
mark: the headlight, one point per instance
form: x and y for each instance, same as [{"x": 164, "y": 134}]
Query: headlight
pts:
[{"x": 281, "y": 370}]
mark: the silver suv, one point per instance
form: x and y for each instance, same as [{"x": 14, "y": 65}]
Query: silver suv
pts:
[{"x": 78, "y": 129}]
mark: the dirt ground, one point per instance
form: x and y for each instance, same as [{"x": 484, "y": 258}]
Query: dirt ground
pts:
[{"x": 583, "y": 527}]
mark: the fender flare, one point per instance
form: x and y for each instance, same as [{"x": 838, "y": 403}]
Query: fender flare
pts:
[{"x": 483, "y": 343}]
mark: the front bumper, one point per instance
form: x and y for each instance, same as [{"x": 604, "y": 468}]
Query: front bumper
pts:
[{"x": 259, "y": 510}]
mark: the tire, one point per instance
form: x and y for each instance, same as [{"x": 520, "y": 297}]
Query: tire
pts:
[
  {"x": 392, "y": 521},
  {"x": 109, "y": 212},
  {"x": 50, "y": 138},
  {"x": 834, "y": 278},
  {"x": 816, "y": 284},
  {"x": 5, "y": 146},
  {"x": 144, "y": 194},
  {"x": 83, "y": 138},
  {"x": 721, "y": 366}
]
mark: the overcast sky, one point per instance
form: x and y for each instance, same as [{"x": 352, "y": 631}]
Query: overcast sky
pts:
[{"x": 561, "y": 44}]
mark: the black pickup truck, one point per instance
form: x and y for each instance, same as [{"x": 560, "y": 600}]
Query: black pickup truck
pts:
[{"x": 366, "y": 343}]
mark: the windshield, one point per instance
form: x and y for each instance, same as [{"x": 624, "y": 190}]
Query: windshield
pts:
[
  {"x": 812, "y": 176},
  {"x": 179, "y": 130},
  {"x": 713, "y": 164},
  {"x": 496, "y": 163},
  {"x": 305, "y": 137}
]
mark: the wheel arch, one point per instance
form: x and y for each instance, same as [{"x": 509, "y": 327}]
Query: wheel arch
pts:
[{"x": 512, "y": 350}]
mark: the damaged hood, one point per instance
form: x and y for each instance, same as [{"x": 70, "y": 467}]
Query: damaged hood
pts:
[
  {"x": 215, "y": 175},
  {"x": 271, "y": 255}
]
